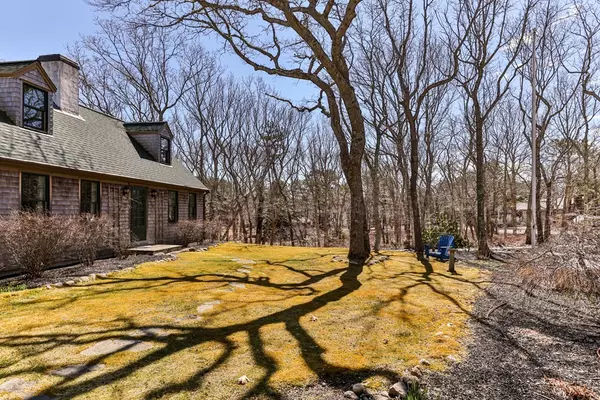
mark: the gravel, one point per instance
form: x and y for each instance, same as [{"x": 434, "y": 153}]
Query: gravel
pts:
[
  {"x": 521, "y": 338},
  {"x": 78, "y": 271}
]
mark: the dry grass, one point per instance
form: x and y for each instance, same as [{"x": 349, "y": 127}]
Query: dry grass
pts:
[
  {"x": 569, "y": 263},
  {"x": 297, "y": 321},
  {"x": 571, "y": 391}
]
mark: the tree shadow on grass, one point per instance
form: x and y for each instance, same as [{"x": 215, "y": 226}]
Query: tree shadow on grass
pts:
[{"x": 184, "y": 338}]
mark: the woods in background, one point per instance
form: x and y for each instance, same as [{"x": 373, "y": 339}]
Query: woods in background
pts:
[{"x": 441, "y": 137}]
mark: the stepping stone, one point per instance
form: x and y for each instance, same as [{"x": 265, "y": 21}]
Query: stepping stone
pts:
[
  {"x": 240, "y": 261},
  {"x": 244, "y": 270},
  {"x": 73, "y": 371},
  {"x": 151, "y": 332},
  {"x": 114, "y": 345},
  {"x": 191, "y": 317},
  {"x": 19, "y": 387},
  {"x": 238, "y": 285},
  {"x": 208, "y": 306}
]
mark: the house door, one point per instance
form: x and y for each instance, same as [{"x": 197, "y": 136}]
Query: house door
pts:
[{"x": 139, "y": 220}]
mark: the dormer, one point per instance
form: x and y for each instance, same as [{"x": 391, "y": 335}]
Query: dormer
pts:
[
  {"x": 64, "y": 74},
  {"x": 155, "y": 137},
  {"x": 26, "y": 95}
]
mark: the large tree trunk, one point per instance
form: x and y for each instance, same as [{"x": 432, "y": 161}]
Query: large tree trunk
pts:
[
  {"x": 483, "y": 250},
  {"x": 359, "y": 233},
  {"x": 413, "y": 191}
]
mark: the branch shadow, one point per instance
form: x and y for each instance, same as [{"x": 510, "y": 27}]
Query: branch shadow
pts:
[{"x": 184, "y": 338}]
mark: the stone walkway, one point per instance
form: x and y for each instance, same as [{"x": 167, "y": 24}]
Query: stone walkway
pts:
[{"x": 26, "y": 388}]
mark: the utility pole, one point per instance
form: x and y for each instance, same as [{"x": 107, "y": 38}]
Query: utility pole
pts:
[{"x": 533, "y": 143}]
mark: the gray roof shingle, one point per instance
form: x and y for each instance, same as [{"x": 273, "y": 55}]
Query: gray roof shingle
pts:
[
  {"x": 93, "y": 142},
  {"x": 11, "y": 67}
]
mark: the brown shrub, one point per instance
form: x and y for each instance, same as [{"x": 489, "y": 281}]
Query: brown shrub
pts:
[
  {"x": 568, "y": 263},
  {"x": 189, "y": 232},
  {"x": 90, "y": 235},
  {"x": 33, "y": 242},
  {"x": 571, "y": 391}
]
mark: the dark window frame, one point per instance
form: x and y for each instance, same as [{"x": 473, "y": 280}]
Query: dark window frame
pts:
[
  {"x": 175, "y": 217},
  {"x": 45, "y": 202},
  {"x": 165, "y": 155},
  {"x": 44, "y": 111},
  {"x": 192, "y": 206},
  {"x": 89, "y": 210}
]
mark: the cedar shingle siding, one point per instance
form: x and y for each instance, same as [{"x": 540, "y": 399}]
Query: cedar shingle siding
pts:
[{"x": 85, "y": 144}]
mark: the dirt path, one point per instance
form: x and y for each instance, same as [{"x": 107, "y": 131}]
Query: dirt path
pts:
[{"x": 519, "y": 340}]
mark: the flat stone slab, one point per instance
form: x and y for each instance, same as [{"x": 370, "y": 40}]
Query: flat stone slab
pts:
[
  {"x": 73, "y": 371},
  {"x": 186, "y": 318},
  {"x": 205, "y": 307},
  {"x": 115, "y": 345},
  {"x": 244, "y": 270},
  {"x": 154, "y": 248},
  {"x": 149, "y": 332},
  {"x": 240, "y": 261},
  {"x": 238, "y": 285},
  {"x": 18, "y": 386}
]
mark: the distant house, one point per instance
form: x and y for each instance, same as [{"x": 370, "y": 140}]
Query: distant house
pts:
[{"x": 62, "y": 158}]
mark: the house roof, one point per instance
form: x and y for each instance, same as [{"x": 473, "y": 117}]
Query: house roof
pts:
[
  {"x": 148, "y": 127},
  {"x": 91, "y": 142},
  {"x": 17, "y": 68}
]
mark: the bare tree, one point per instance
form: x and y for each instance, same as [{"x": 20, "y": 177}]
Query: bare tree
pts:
[
  {"x": 137, "y": 72},
  {"x": 299, "y": 41},
  {"x": 487, "y": 70}
]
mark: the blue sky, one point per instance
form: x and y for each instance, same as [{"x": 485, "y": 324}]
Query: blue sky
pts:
[{"x": 48, "y": 26}]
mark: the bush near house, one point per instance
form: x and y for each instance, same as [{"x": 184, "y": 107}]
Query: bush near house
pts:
[
  {"x": 189, "y": 232},
  {"x": 91, "y": 234},
  {"x": 33, "y": 242}
]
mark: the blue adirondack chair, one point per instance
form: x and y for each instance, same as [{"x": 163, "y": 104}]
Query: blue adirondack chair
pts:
[{"x": 442, "y": 251}]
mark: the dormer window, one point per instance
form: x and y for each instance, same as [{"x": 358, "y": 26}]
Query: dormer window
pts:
[
  {"x": 165, "y": 150},
  {"x": 35, "y": 108}
]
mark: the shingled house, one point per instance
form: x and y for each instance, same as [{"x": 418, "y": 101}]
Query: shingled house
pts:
[{"x": 59, "y": 157}]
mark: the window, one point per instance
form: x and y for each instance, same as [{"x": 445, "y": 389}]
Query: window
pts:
[
  {"x": 173, "y": 206},
  {"x": 165, "y": 150},
  {"x": 35, "y": 108},
  {"x": 192, "y": 211},
  {"x": 90, "y": 197},
  {"x": 35, "y": 192}
]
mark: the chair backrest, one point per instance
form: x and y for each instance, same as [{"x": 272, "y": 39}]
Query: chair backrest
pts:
[{"x": 445, "y": 243}]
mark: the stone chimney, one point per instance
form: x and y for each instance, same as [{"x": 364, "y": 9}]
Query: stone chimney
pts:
[{"x": 64, "y": 73}]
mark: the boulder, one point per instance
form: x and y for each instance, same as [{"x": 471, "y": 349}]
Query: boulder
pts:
[
  {"x": 416, "y": 371},
  {"x": 398, "y": 389},
  {"x": 424, "y": 362},
  {"x": 350, "y": 395},
  {"x": 410, "y": 380},
  {"x": 358, "y": 388}
]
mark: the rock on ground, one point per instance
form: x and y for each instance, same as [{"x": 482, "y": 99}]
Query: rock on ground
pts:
[
  {"x": 115, "y": 345},
  {"x": 73, "y": 371},
  {"x": 18, "y": 386},
  {"x": 205, "y": 307},
  {"x": 398, "y": 389}
]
